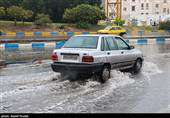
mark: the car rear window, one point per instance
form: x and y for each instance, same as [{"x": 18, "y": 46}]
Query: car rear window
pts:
[
  {"x": 108, "y": 27},
  {"x": 82, "y": 42}
]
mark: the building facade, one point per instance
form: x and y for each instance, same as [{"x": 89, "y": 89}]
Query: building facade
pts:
[{"x": 144, "y": 11}]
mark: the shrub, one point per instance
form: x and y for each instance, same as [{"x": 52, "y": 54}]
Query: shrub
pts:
[
  {"x": 83, "y": 25},
  {"x": 2, "y": 11},
  {"x": 119, "y": 22},
  {"x": 84, "y": 13},
  {"x": 61, "y": 27},
  {"x": 164, "y": 25},
  {"x": 42, "y": 20},
  {"x": 26, "y": 15}
]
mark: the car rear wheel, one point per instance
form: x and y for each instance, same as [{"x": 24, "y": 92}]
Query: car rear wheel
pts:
[
  {"x": 105, "y": 74},
  {"x": 137, "y": 67}
]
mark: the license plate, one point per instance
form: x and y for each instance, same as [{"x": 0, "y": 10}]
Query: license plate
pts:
[{"x": 70, "y": 57}]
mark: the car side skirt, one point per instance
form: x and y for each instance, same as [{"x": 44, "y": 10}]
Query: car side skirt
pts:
[{"x": 123, "y": 65}]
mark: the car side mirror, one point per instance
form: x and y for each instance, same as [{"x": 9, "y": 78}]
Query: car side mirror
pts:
[{"x": 132, "y": 47}]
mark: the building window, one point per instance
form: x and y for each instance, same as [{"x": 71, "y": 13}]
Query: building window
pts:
[
  {"x": 157, "y": 12},
  {"x": 157, "y": 5},
  {"x": 164, "y": 10},
  {"x": 165, "y": 1},
  {"x": 124, "y": 9},
  {"x": 168, "y": 11},
  {"x": 142, "y": 6},
  {"x": 147, "y": 13},
  {"x": 142, "y": 13},
  {"x": 147, "y": 6},
  {"x": 133, "y": 8},
  {"x": 133, "y": 0}
]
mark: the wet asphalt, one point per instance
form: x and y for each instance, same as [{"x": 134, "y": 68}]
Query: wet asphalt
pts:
[{"x": 35, "y": 88}]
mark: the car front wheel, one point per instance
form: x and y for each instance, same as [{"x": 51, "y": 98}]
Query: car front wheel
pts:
[
  {"x": 105, "y": 74},
  {"x": 137, "y": 67}
]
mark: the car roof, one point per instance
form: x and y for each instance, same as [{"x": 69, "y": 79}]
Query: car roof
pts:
[{"x": 99, "y": 35}]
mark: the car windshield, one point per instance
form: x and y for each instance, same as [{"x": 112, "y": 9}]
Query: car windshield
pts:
[
  {"x": 82, "y": 42},
  {"x": 108, "y": 27}
]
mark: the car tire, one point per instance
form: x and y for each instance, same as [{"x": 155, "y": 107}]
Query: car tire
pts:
[
  {"x": 104, "y": 74},
  {"x": 137, "y": 66}
]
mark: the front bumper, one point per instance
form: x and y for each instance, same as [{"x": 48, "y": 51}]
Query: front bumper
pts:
[{"x": 76, "y": 67}]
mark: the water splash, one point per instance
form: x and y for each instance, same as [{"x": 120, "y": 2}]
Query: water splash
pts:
[
  {"x": 88, "y": 94},
  {"x": 150, "y": 69}
]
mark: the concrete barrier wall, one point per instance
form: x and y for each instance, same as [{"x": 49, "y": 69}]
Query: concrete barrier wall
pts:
[
  {"x": 44, "y": 45},
  {"x": 33, "y": 45},
  {"x": 41, "y": 34}
]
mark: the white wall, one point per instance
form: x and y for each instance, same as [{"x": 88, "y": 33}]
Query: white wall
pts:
[{"x": 146, "y": 15}]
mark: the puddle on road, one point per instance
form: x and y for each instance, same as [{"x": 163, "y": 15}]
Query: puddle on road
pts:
[
  {"x": 84, "y": 98},
  {"x": 25, "y": 68},
  {"x": 77, "y": 97},
  {"x": 117, "y": 78}
]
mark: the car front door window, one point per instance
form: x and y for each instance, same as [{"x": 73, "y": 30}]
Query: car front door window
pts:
[
  {"x": 111, "y": 43},
  {"x": 121, "y": 44}
]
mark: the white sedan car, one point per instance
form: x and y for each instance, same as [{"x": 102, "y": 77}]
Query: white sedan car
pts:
[{"x": 86, "y": 55}]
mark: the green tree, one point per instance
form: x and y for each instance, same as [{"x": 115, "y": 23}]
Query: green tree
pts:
[
  {"x": 9, "y": 3},
  {"x": 42, "y": 20},
  {"x": 84, "y": 13},
  {"x": 26, "y": 15},
  {"x": 16, "y": 13},
  {"x": 165, "y": 25},
  {"x": 37, "y": 6},
  {"x": 55, "y": 8},
  {"x": 119, "y": 22},
  {"x": 2, "y": 11}
]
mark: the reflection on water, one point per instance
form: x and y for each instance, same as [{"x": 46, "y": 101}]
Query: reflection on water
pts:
[{"x": 154, "y": 49}]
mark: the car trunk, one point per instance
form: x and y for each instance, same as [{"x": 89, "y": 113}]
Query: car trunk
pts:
[{"x": 73, "y": 55}]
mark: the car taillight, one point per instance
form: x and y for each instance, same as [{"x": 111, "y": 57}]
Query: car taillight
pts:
[
  {"x": 87, "y": 59},
  {"x": 54, "y": 56}
]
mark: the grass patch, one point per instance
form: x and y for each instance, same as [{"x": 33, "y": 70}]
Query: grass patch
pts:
[
  {"x": 11, "y": 23},
  {"x": 6, "y": 26}
]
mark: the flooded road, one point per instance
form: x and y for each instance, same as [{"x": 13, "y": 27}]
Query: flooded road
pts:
[{"x": 35, "y": 88}]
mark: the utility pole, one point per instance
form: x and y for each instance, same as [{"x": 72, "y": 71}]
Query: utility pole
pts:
[
  {"x": 107, "y": 8},
  {"x": 117, "y": 10}
]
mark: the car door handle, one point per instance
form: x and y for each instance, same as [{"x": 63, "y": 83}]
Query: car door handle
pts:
[
  {"x": 122, "y": 52},
  {"x": 108, "y": 53}
]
